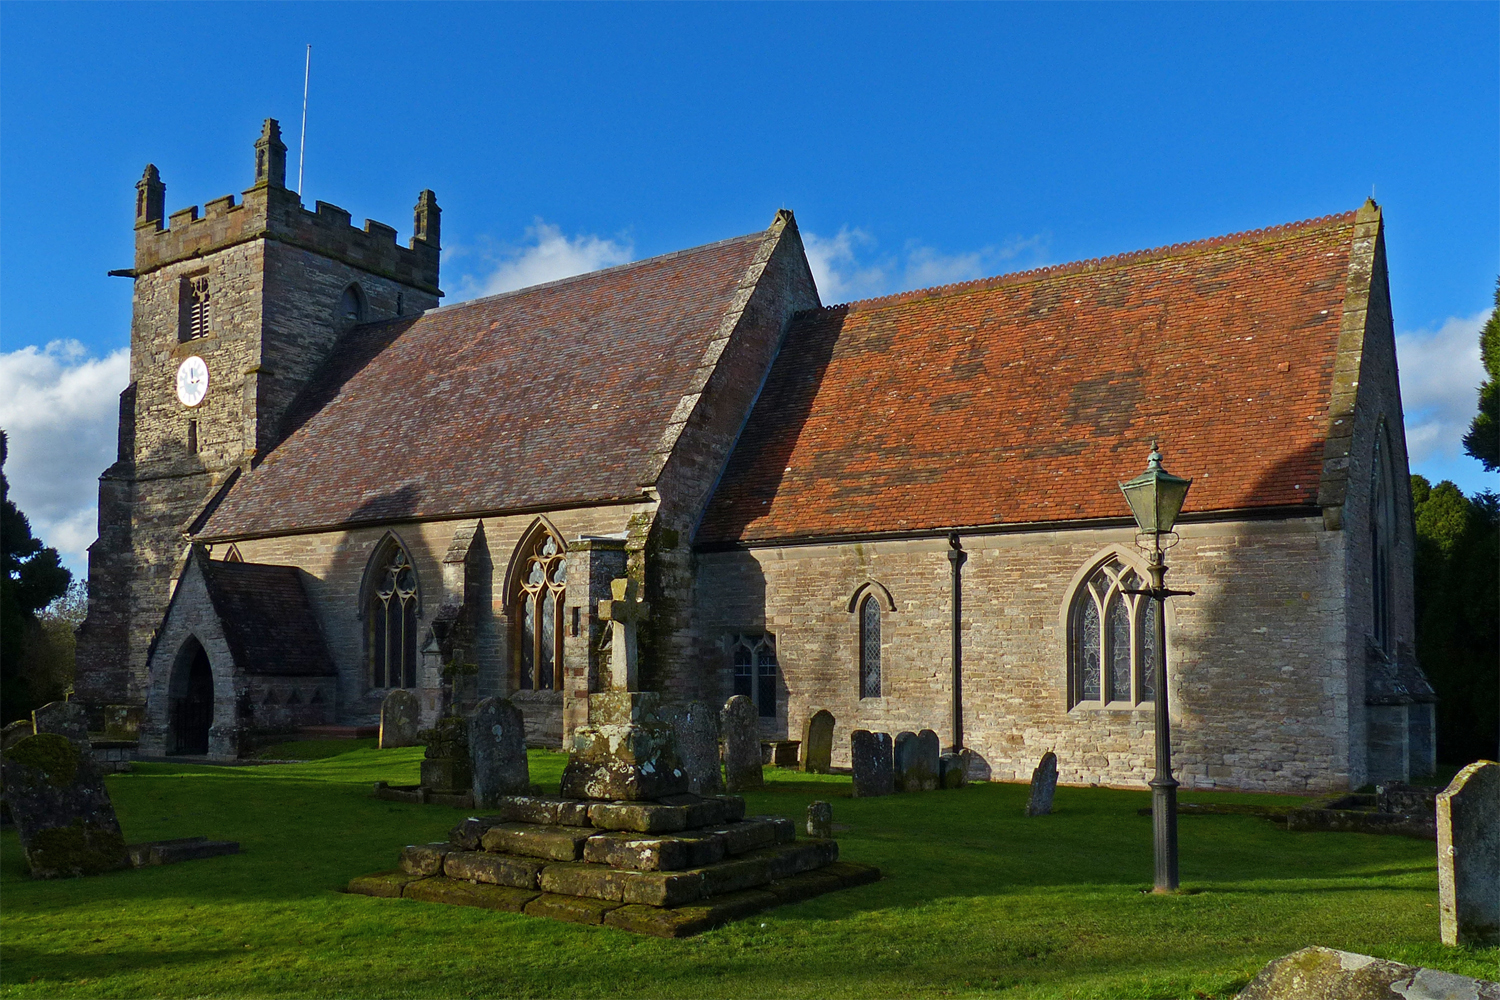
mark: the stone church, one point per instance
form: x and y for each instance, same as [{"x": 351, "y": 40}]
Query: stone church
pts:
[{"x": 329, "y": 486}]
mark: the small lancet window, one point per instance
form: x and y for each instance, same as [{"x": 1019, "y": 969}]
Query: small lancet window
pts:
[
  {"x": 1382, "y": 521},
  {"x": 1112, "y": 639},
  {"x": 351, "y": 306},
  {"x": 392, "y": 617},
  {"x": 755, "y": 670},
  {"x": 540, "y": 594},
  {"x": 869, "y": 647}
]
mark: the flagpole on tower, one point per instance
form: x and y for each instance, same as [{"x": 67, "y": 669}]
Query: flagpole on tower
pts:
[{"x": 302, "y": 147}]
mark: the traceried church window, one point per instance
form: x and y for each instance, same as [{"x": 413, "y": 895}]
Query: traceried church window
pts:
[
  {"x": 755, "y": 669},
  {"x": 869, "y": 647},
  {"x": 1112, "y": 639},
  {"x": 392, "y": 620},
  {"x": 196, "y": 308},
  {"x": 537, "y": 610},
  {"x": 1382, "y": 525}
]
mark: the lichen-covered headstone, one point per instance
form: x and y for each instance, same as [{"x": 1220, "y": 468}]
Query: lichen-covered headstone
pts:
[
  {"x": 817, "y": 743},
  {"x": 904, "y": 761},
  {"x": 820, "y": 820},
  {"x": 1043, "y": 786},
  {"x": 874, "y": 767},
  {"x": 446, "y": 766},
  {"x": 399, "y": 725},
  {"x": 62, "y": 811},
  {"x": 65, "y": 718},
  {"x": 1468, "y": 831},
  {"x": 1324, "y": 974},
  {"x": 923, "y": 771},
  {"x": 497, "y": 752},
  {"x": 15, "y": 732},
  {"x": 741, "y": 730},
  {"x": 953, "y": 770},
  {"x": 697, "y": 727}
]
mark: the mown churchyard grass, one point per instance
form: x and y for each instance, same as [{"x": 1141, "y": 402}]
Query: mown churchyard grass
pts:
[{"x": 977, "y": 900}]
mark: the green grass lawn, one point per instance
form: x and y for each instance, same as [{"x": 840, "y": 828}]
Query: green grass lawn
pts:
[{"x": 977, "y": 900}]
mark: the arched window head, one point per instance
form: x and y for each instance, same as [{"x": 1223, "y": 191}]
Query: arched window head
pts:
[
  {"x": 755, "y": 668},
  {"x": 1111, "y": 639},
  {"x": 536, "y": 608},
  {"x": 869, "y": 646},
  {"x": 351, "y": 306},
  {"x": 391, "y": 621},
  {"x": 1382, "y": 537}
]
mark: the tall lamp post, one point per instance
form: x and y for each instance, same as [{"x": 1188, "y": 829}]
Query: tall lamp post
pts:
[{"x": 1155, "y": 498}]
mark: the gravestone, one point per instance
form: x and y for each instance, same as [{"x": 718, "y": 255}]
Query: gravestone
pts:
[
  {"x": 925, "y": 767},
  {"x": 497, "y": 752},
  {"x": 1043, "y": 786},
  {"x": 65, "y": 718},
  {"x": 446, "y": 766},
  {"x": 15, "y": 732},
  {"x": 697, "y": 727},
  {"x": 874, "y": 767},
  {"x": 820, "y": 820},
  {"x": 1468, "y": 832},
  {"x": 953, "y": 770},
  {"x": 398, "y": 720},
  {"x": 741, "y": 731},
  {"x": 56, "y": 795},
  {"x": 817, "y": 743}
]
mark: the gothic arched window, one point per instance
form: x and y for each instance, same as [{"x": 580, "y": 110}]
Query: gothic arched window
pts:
[
  {"x": 869, "y": 646},
  {"x": 391, "y": 617},
  {"x": 1382, "y": 524},
  {"x": 536, "y": 608},
  {"x": 754, "y": 656},
  {"x": 351, "y": 306},
  {"x": 1111, "y": 639}
]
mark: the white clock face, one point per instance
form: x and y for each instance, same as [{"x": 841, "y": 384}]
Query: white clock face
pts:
[{"x": 192, "y": 381}]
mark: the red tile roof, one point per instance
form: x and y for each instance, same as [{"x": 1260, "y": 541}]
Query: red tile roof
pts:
[
  {"x": 1025, "y": 398},
  {"x": 545, "y": 397}
]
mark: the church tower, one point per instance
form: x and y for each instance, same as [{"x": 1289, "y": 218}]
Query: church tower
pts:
[{"x": 234, "y": 311}]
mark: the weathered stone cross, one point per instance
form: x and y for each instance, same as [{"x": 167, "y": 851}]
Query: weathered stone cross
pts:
[{"x": 624, "y": 613}]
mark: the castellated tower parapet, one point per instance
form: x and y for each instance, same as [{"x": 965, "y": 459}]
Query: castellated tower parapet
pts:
[
  {"x": 269, "y": 210},
  {"x": 242, "y": 304}
]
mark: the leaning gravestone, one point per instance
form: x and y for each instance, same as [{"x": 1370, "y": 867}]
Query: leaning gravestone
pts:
[
  {"x": 697, "y": 727},
  {"x": 65, "y": 718},
  {"x": 398, "y": 720},
  {"x": 1043, "y": 786},
  {"x": 872, "y": 757},
  {"x": 820, "y": 820},
  {"x": 904, "y": 760},
  {"x": 817, "y": 743},
  {"x": 497, "y": 752},
  {"x": 56, "y": 795},
  {"x": 1468, "y": 832},
  {"x": 741, "y": 745}
]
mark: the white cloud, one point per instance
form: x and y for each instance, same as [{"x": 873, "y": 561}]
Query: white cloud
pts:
[
  {"x": 546, "y": 255},
  {"x": 847, "y": 266},
  {"x": 60, "y": 409},
  {"x": 1440, "y": 376}
]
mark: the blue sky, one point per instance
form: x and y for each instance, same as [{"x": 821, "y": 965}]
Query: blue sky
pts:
[{"x": 917, "y": 144}]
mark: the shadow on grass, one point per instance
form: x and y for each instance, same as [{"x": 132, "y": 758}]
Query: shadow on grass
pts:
[{"x": 71, "y": 966}]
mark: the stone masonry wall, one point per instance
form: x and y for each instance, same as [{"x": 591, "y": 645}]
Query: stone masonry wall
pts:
[{"x": 1256, "y": 657}]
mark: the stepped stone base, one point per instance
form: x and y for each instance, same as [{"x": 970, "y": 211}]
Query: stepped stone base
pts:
[{"x": 670, "y": 868}]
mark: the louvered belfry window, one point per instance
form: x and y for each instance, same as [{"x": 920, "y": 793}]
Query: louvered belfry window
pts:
[
  {"x": 393, "y": 623},
  {"x": 197, "y": 309},
  {"x": 869, "y": 647},
  {"x": 543, "y": 587},
  {"x": 1112, "y": 641}
]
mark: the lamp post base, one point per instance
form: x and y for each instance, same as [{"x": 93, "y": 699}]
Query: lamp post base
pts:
[{"x": 1164, "y": 831}]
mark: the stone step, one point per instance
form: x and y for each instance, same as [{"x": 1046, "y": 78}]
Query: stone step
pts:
[
  {"x": 620, "y": 849},
  {"x": 640, "y": 918},
  {"x": 554, "y": 843},
  {"x": 677, "y": 812}
]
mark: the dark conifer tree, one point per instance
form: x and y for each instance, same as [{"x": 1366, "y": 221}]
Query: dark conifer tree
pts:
[{"x": 33, "y": 578}]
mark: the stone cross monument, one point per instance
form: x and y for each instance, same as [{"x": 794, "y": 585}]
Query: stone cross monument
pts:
[{"x": 624, "y": 613}]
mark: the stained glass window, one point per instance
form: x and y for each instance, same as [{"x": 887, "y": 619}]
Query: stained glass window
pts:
[
  {"x": 1112, "y": 646},
  {"x": 392, "y": 618},
  {"x": 540, "y": 594},
  {"x": 869, "y": 647}
]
